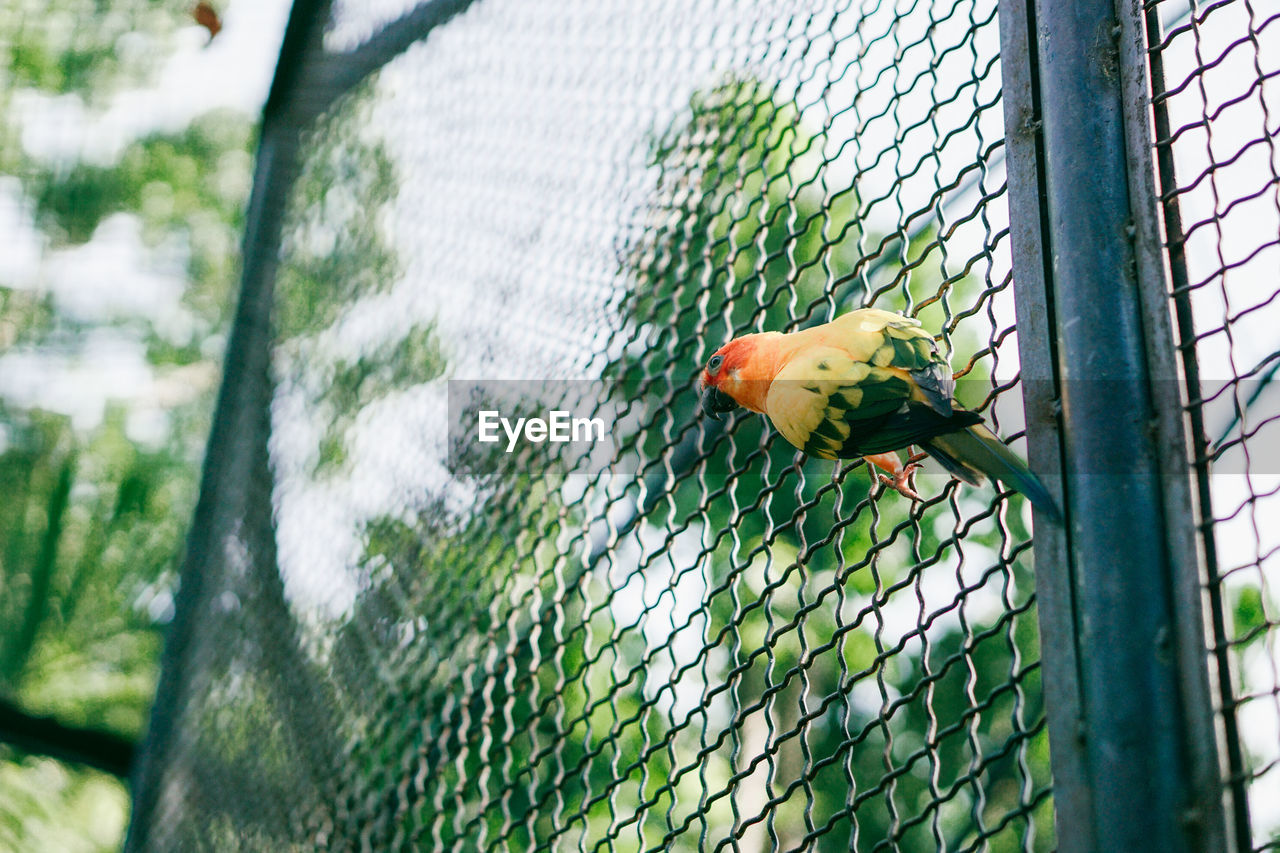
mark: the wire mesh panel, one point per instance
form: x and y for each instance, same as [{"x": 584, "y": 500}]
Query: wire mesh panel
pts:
[
  {"x": 685, "y": 636},
  {"x": 1217, "y": 118}
]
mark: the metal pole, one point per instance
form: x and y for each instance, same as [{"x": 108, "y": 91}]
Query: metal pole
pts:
[
  {"x": 1224, "y": 732},
  {"x": 1191, "y": 566},
  {"x": 1055, "y": 601},
  {"x": 228, "y": 455},
  {"x": 1125, "y": 664},
  {"x": 307, "y": 81}
]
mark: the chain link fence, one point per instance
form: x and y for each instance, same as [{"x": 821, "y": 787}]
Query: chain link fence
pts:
[
  {"x": 1216, "y": 122},
  {"x": 392, "y": 635}
]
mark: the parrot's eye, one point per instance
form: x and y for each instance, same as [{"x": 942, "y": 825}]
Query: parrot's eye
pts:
[{"x": 714, "y": 364}]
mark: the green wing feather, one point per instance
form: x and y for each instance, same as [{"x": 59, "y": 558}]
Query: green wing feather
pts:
[
  {"x": 903, "y": 343},
  {"x": 831, "y": 406},
  {"x": 897, "y": 393}
]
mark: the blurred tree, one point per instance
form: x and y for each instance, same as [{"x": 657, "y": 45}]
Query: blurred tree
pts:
[
  {"x": 518, "y": 600},
  {"x": 746, "y": 236},
  {"x": 98, "y": 494},
  {"x": 86, "y": 48},
  {"x": 500, "y": 621}
]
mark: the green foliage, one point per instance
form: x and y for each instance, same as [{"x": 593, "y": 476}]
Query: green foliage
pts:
[
  {"x": 49, "y": 806},
  {"x": 337, "y": 249},
  {"x": 541, "y": 696},
  {"x": 1250, "y": 615},
  {"x": 417, "y": 357},
  {"x": 116, "y": 535},
  {"x": 195, "y": 177},
  {"x": 86, "y": 47},
  {"x": 743, "y": 238},
  {"x": 95, "y": 511},
  {"x": 25, "y": 317}
]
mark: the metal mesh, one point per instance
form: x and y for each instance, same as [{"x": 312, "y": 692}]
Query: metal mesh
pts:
[
  {"x": 1217, "y": 118},
  {"x": 403, "y": 642}
]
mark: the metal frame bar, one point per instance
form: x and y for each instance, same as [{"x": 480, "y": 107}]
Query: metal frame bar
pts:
[
  {"x": 1122, "y": 630},
  {"x": 1208, "y": 742},
  {"x": 36, "y": 734},
  {"x": 1236, "y": 803},
  {"x": 1055, "y": 596},
  {"x": 228, "y": 458},
  {"x": 338, "y": 73},
  {"x": 1128, "y": 695},
  {"x": 307, "y": 82}
]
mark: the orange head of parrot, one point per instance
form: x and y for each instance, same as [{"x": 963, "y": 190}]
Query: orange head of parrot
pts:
[{"x": 738, "y": 374}]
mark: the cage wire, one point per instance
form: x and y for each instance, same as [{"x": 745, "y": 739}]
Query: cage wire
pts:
[
  {"x": 1216, "y": 121},
  {"x": 411, "y": 642},
  {"x": 407, "y": 640}
]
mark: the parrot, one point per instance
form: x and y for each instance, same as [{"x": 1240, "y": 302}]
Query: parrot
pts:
[{"x": 867, "y": 384}]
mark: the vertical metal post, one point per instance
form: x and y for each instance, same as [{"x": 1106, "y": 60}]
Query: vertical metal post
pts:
[
  {"x": 1055, "y": 601},
  {"x": 1172, "y": 379},
  {"x": 242, "y": 400},
  {"x": 1129, "y": 704},
  {"x": 1225, "y": 734},
  {"x": 307, "y": 81}
]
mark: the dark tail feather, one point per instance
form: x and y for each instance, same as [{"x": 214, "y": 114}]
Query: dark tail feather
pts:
[{"x": 972, "y": 452}]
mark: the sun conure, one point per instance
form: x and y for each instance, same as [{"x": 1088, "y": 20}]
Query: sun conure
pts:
[{"x": 866, "y": 384}]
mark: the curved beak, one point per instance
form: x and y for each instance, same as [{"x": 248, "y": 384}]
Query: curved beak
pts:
[{"x": 715, "y": 402}]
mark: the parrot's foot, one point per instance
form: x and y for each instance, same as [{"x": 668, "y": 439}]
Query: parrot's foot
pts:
[
  {"x": 900, "y": 482},
  {"x": 899, "y": 476}
]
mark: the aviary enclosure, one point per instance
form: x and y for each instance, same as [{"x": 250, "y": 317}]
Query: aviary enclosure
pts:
[{"x": 386, "y": 639}]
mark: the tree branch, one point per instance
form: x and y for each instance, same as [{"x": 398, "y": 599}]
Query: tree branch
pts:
[{"x": 35, "y": 735}]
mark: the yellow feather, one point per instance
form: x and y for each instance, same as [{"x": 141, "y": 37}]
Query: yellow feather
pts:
[
  {"x": 800, "y": 396},
  {"x": 872, "y": 381}
]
